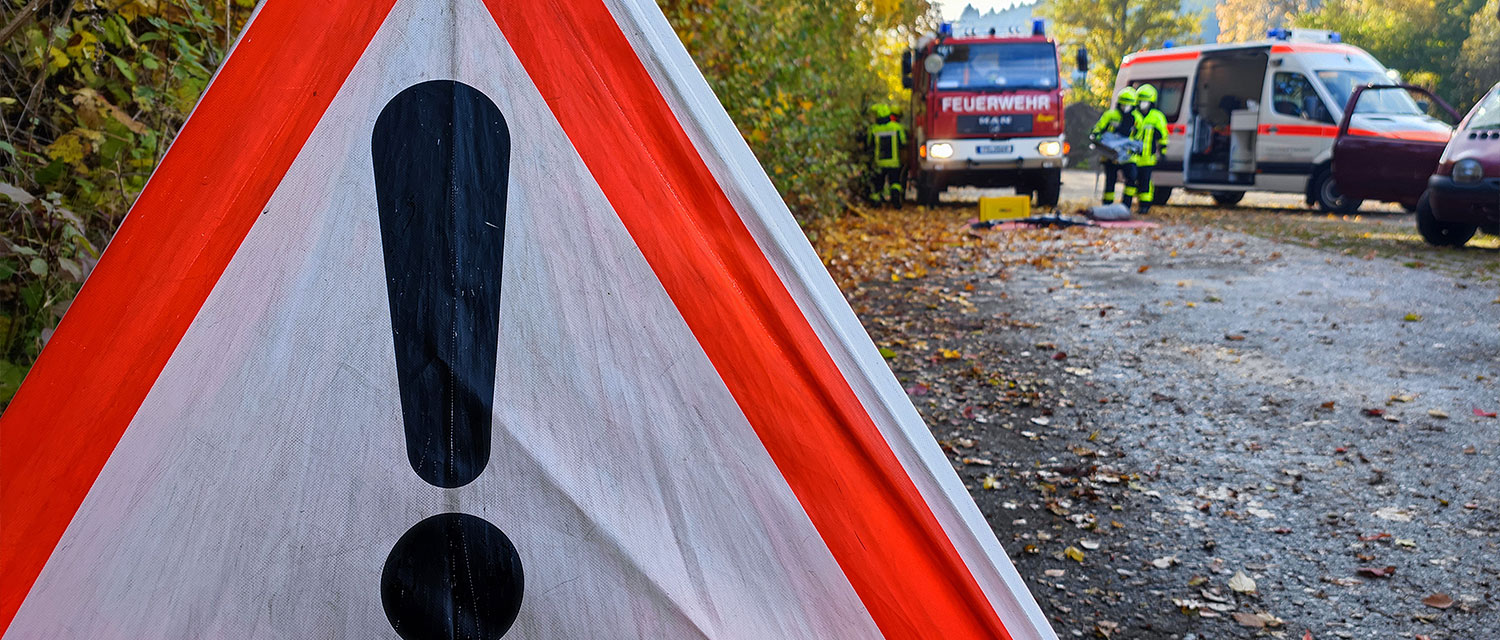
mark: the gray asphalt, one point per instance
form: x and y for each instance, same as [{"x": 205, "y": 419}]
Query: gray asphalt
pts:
[
  {"x": 1231, "y": 426},
  {"x": 1210, "y": 415}
]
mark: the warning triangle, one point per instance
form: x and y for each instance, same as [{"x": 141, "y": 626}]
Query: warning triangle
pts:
[{"x": 475, "y": 318}]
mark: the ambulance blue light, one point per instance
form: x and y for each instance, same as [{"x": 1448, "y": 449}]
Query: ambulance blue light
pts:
[
  {"x": 1335, "y": 37},
  {"x": 1278, "y": 34},
  {"x": 1039, "y": 27},
  {"x": 945, "y": 30},
  {"x": 1168, "y": 44}
]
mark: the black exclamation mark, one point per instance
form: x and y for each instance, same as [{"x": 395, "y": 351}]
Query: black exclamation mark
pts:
[{"x": 442, "y": 162}]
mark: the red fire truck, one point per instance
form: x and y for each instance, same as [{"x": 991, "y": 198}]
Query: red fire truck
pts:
[{"x": 986, "y": 111}]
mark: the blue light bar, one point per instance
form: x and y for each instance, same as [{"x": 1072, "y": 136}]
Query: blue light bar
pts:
[
  {"x": 1278, "y": 34},
  {"x": 1335, "y": 37},
  {"x": 1039, "y": 27},
  {"x": 945, "y": 30},
  {"x": 1168, "y": 44}
]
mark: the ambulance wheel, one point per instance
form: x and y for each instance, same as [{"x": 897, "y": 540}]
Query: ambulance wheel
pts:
[
  {"x": 1328, "y": 196},
  {"x": 1438, "y": 233},
  {"x": 1228, "y": 198},
  {"x": 1048, "y": 188}
]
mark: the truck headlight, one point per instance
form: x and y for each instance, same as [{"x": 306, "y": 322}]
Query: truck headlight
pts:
[
  {"x": 1468, "y": 171},
  {"x": 940, "y": 150},
  {"x": 1050, "y": 148}
]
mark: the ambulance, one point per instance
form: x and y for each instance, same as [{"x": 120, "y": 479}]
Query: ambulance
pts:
[
  {"x": 986, "y": 111},
  {"x": 1262, "y": 116}
]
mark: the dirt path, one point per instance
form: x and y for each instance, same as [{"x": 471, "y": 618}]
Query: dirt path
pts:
[{"x": 1173, "y": 431}]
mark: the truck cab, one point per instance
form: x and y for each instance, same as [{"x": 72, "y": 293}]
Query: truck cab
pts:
[{"x": 987, "y": 111}]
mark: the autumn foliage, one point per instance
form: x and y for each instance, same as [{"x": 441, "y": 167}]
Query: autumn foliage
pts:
[{"x": 797, "y": 77}]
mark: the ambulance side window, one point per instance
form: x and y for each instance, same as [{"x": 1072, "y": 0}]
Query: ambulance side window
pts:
[
  {"x": 1292, "y": 94},
  {"x": 1169, "y": 92}
]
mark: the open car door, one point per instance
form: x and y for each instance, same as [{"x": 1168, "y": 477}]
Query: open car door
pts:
[{"x": 1388, "y": 143}]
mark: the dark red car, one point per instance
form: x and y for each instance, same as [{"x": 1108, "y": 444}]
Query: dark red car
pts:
[
  {"x": 1463, "y": 195},
  {"x": 1389, "y": 144}
]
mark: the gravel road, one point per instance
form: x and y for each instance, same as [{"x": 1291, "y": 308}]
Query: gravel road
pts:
[{"x": 1194, "y": 433}]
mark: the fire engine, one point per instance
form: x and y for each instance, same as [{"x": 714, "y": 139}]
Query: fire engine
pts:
[{"x": 986, "y": 111}]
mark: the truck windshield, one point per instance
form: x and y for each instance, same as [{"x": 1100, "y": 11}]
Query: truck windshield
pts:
[
  {"x": 998, "y": 66},
  {"x": 1341, "y": 83},
  {"x": 1487, "y": 114}
]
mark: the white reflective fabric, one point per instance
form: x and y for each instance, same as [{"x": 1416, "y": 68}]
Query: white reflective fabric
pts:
[
  {"x": 264, "y": 479},
  {"x": 818, "y": 297}
]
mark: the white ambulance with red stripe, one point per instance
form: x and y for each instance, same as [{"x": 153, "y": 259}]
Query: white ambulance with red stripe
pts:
[
  {"x": 986, "y": 111},
  {"x": 1262, "y": 116}
]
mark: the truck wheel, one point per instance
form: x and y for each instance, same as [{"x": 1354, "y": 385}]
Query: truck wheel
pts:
[
  {"x": 1228, "y": 198},
  {"x": 927, "y": 193},
  {"x": 1329, "y": 197},
  {"x": 1162, "y": 195},
  {"x": 1048, "y": 188},
  {"x": 1438, "y": 233}
]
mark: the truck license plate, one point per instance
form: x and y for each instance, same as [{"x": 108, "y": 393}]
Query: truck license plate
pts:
[{"x": 986, "y": 149}]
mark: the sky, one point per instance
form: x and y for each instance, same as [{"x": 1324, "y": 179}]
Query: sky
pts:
[{"x": 951, "y": 8}]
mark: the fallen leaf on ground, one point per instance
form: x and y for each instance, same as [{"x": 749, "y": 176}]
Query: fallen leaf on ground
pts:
[
  {"x": 1234, "y": 337},
  {"x": 1438, "y": 601},
  {"x": 1376, "y": 572},
  {"x": 1164, "y": 562},
  {"x": 1412, "y": 317},
  {"x": 1074, "y": 554},
  {"x": 1242, "y": 583},
  {"x": 1106, "y": 628},
  {"x": 1142, "y": 268},
  {"x": 1485, "y": 414},
  {"x": 1438, "y": 413},
  {"x": 1089, "y": 544},
  {"x": 1394, "y": 514},
  {"x": 1257, "y": 620},
  {"x": 1374, "y": 412},
  {"x": 1250, "y": 619}
]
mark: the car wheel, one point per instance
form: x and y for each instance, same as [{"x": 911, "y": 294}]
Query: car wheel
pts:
[
  {"x": 1439, "y": 233},
  {"x": 1228, "y": 198},
  {"x": 1329, "y": 197}
]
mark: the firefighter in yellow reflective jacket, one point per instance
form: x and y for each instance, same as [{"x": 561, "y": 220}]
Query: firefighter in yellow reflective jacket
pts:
[
  {"x": 886, "y": 137},
  {"x": 1152, "y": 134},
  {"x": 1122, "y": 120}
]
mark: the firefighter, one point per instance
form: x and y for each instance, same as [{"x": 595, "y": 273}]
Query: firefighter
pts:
[
  {"x": 1121, "y": 120},
  {"x": 1151, "y": 132},
  {"x": 885, "y": 137}
]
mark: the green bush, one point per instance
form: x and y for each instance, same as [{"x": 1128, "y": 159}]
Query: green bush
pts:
[
  {"x": 797, "y": 76},
  {"x": 94, "y": 91}
]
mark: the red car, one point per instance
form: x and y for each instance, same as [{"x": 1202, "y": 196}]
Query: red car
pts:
[
  {"x": 1463, "y": 195},
  {"x": 1388, "y": 145}
]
